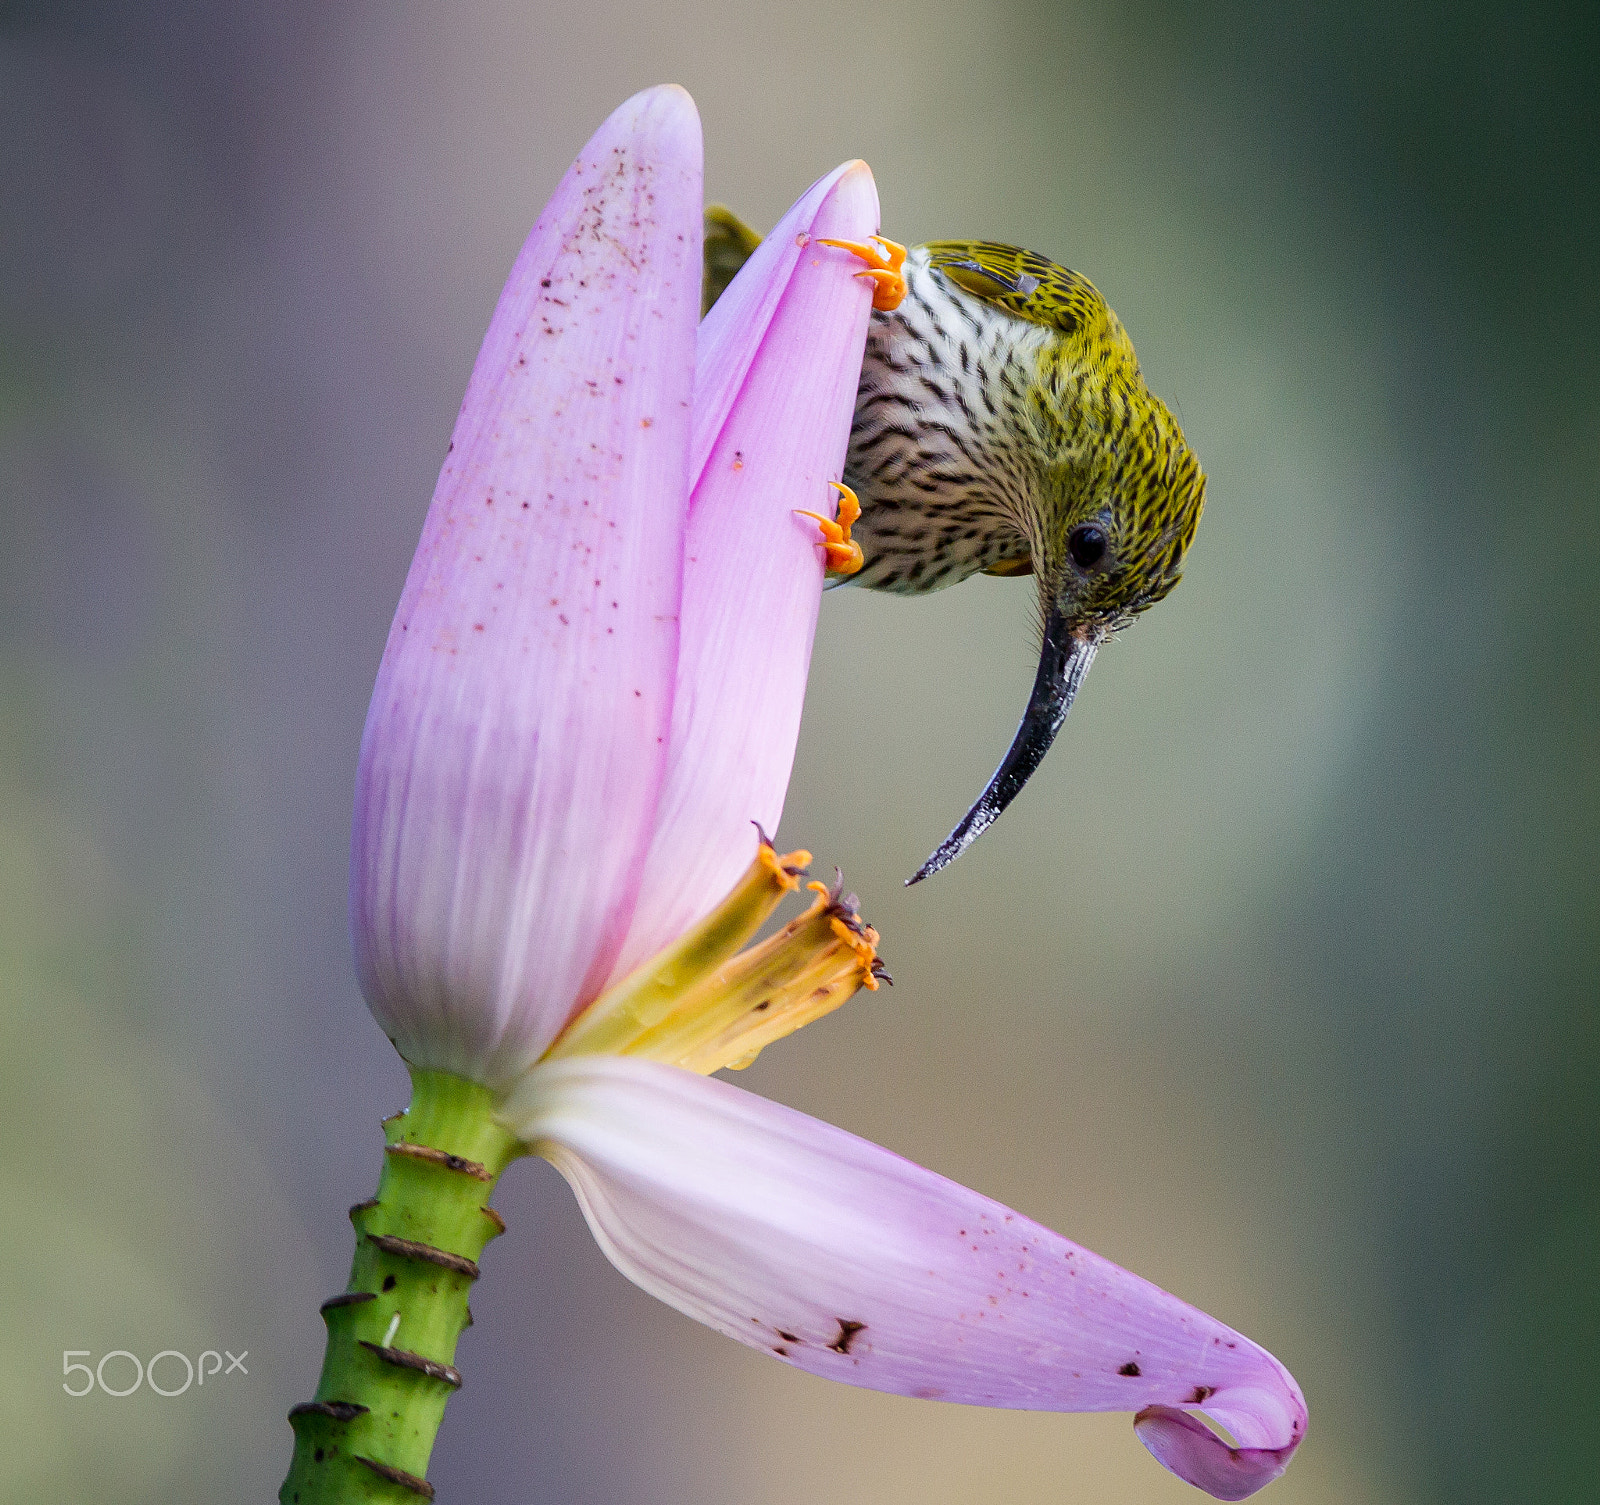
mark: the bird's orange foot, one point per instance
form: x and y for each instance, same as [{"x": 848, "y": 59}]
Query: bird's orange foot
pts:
[
  {"x": 844, "y": 556},
  {"x": 884, "y": 259}
]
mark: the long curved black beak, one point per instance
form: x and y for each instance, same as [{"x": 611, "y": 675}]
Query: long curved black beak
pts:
[{"x": 1063, "y": 661}]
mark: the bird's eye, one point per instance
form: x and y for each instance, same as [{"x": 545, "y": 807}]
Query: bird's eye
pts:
[{"x": 1087, "y": 545}]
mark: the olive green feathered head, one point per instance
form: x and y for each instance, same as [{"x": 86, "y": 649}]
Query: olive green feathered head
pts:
[{"x": 1122, "y": 490}]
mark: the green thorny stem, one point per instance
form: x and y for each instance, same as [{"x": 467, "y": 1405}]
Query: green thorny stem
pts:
[{"x": 392, "y": 1335}]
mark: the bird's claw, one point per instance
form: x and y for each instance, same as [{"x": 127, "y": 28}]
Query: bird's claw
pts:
[
  {"x": 844, "y": 556},
  {"x": 884, "y": 259}
]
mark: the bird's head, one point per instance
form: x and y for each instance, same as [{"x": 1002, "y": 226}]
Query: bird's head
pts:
[
  {"x": 1119, "y": 495},
  {"x": 1117, "y": 499}
]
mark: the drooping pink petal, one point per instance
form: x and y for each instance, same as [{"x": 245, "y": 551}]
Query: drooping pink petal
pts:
[
  {"x": 850, "y": 1262},
  {"x": 752, "y": 569},
  {"x": 512, "y": 757}
]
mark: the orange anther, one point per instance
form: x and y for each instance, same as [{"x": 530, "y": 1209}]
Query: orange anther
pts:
[
  {"x": 865, "y": 945},
  {"x": 785, "y": 870}
]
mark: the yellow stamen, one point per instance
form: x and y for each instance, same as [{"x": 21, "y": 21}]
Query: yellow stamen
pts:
[
  {"x": 806, "y": 970},
  {"x": 620, "y": 1015}
]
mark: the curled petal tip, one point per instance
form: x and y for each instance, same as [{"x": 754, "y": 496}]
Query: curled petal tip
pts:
[{"x": 1187, "y": 1447}]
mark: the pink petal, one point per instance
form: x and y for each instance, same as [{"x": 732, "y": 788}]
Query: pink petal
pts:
[
  {"x": 794, "y": 323},
  {"x": 852, "y": 1263},
  {"x": 732, "y": 334},
  {"x": 514, "y": 749}
]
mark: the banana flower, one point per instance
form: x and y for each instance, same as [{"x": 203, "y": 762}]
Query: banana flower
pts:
[{"x": 583, "y": 725}]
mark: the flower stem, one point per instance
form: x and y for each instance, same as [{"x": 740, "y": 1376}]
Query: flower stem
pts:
[{"x": 392, "y": 1335}]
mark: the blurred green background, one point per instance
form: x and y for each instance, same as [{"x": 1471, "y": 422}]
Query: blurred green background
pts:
[{"x": 1277, "y": 985}]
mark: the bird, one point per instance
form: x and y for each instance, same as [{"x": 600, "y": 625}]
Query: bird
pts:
[{"x": 1002, "y": 425}]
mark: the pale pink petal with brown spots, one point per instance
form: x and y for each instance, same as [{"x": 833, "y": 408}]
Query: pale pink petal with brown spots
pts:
[
  {"x": 850, "y": 1262},
  {"x": 513, "y": 753}
]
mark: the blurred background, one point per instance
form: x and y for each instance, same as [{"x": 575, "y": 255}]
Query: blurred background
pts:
[{"x": 1277, "y": 985}]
